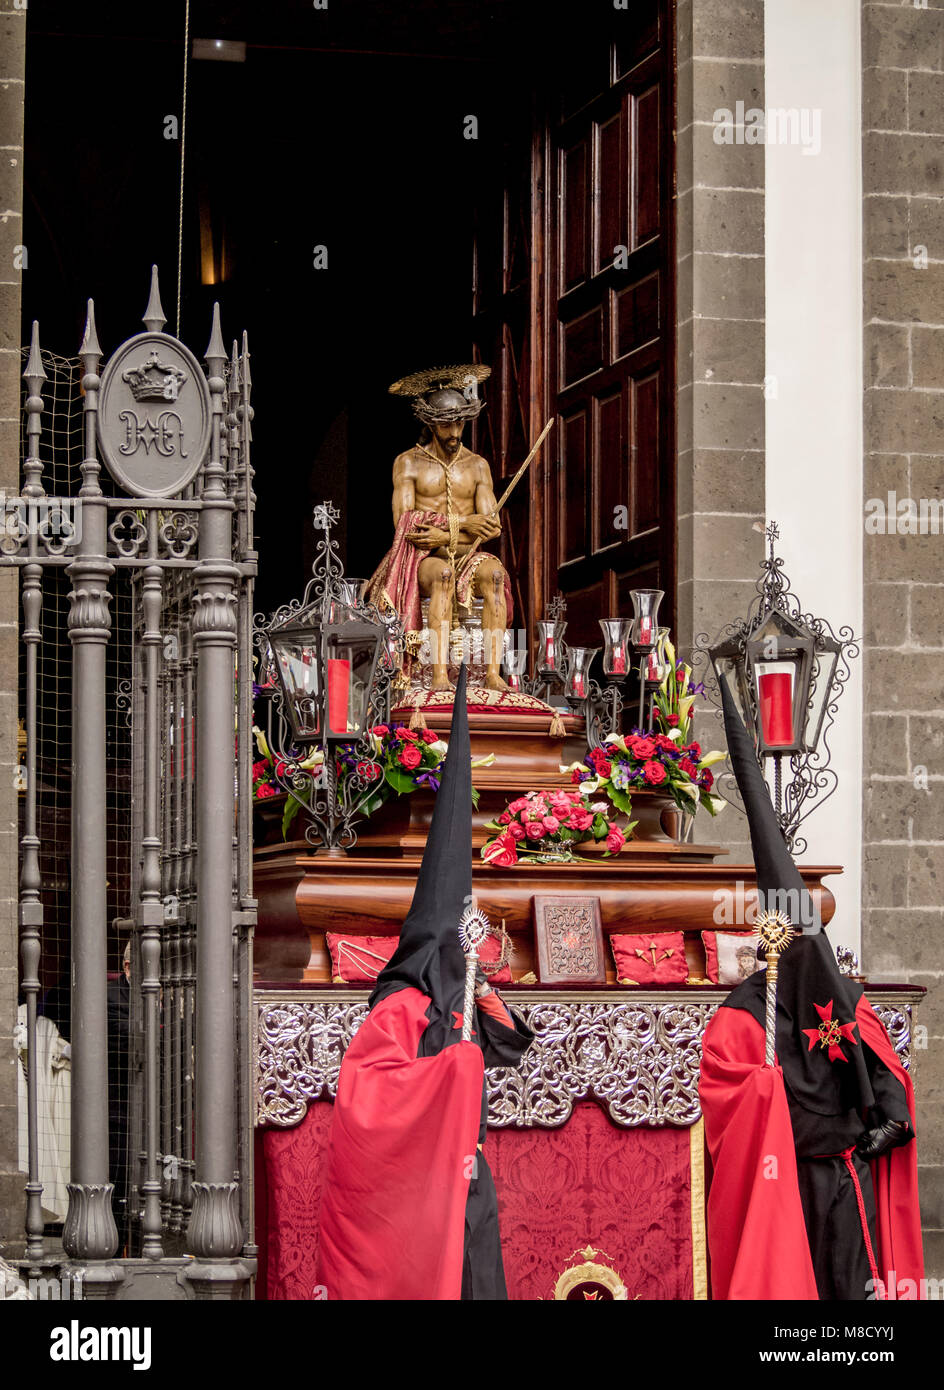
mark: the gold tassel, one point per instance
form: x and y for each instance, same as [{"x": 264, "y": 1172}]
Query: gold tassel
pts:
[
  {"x": 529, "y": 979},
  {"x": 558, "y": 728},
  {"x": 417, "y": 718}
]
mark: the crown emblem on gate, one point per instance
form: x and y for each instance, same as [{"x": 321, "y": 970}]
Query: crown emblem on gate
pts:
[{"x": 153, "y": 380}]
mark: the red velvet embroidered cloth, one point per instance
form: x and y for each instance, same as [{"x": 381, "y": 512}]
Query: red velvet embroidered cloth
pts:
[
  {"x": 627, "y": 1192},
  {"x": 360, "y": 959}
]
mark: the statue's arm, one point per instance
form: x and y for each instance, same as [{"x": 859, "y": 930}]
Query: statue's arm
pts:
[
  {"x": 485, "y": 524},
  {"x": 424, "y": 537},
  {"x": 404, "y": 487}
]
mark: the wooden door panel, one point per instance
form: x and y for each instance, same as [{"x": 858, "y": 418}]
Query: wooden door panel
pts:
[
  {"x": 645, "y": 510},
  {"x": 575, "y": 214},
  {"x": 645, "y": 187},
  {"x": 610, "y": 474},
  {"x": 640, "y": 36},
  {"x": 611, "y": 146},
  {"x": 645, "y": 576},
  {"x": 581, "y": 347},
  {"x": 572, "y": 487},
  {"x": 634, "y": 315},
  {"x": 585, "y": 607}
]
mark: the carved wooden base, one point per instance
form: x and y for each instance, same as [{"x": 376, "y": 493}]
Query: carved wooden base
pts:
[{"x": 301, "y": 896}]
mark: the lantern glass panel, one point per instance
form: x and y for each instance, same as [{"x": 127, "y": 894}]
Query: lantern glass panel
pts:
[
  {"x": 350, "y": 656},
  {"x": 298, "y": 661},
  {"x": 730, "y": 669},
  {"x": 776, "y": 689},
  {"x": 824, "y": 669}
]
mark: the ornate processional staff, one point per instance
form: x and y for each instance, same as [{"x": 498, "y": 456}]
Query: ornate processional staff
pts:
[
  {"x": 473, "y": 929},
  {"x": 776, "y": 933}
]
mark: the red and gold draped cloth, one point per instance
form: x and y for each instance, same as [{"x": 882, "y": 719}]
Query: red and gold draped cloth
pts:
[
  {"x": 636, "y": 1194},
  {"x": 395, "y": 583}
]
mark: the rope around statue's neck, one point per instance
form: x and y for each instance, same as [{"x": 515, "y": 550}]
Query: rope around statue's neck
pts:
[{"x": 452, "y": 516}]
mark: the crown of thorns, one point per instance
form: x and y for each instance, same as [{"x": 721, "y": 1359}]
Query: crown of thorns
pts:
[{"x": 462, "y": 380}]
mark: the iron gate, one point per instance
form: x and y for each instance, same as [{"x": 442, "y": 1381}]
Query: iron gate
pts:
[{"x": 161, "y": 539}]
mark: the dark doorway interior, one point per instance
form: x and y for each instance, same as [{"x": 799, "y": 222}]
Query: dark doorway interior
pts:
[
  {"x": 335, "y": 143},
  {"x": 347, "y": 128}
]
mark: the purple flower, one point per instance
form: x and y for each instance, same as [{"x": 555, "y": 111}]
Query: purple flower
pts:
[{"x": 428, "y": 779}]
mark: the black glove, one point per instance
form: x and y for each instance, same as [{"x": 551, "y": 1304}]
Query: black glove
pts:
[
  {"x": 482, "y": 985},
  {"x": 877, "y": 1141}
]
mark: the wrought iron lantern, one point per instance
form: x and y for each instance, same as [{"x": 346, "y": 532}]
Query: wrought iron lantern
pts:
[
  {"x": 785, "y": 670},
  {"x": 326, "y": 670},
  {"x": 330, "y": 660}
]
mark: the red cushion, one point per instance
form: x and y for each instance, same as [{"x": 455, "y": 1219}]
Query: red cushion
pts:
[
  {"x": 489, "y": 951},
  {"x": 647, "y": 958},
  {"x": 711, "y": 951},
  {"x": 357, "y": 960}
]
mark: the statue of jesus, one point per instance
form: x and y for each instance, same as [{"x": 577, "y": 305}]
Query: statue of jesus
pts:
[{"x": 444, "y": 509}]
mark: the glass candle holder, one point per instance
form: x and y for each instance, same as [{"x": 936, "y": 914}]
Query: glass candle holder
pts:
[
  {"x": 550, "y": 646},
  {"x": 616, "y": 636},
  {"x": 645, "y": 617},
  {"x": 514, "y": 660},
  {"x": 577, "y": 680},
  {"x": 652, "y": 668}
]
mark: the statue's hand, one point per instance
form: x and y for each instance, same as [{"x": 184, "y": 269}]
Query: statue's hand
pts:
[
  {"x": 426, "y": 537},
  {"x": 482, "y": 527}
]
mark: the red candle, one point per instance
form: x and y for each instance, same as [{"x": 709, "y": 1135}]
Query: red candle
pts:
[
  {"x": 339, "y": 692},
  {"x": 549, "y": 653},
  {"x": 619, "y": 662},
  {"x": 578, "y": 687},
  {"x": 645, "y": 631},
  {"x": 775, "y": 692}
]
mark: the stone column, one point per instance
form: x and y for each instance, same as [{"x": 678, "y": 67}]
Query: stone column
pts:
[
  {"x": 215, "y": 1233},
  {"x": 903, "y": 317},
  {"x": 720, "y": 332}
]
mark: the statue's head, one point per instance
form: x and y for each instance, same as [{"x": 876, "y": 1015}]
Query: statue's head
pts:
[
  {"x": 443, "y": 399},
  {"x": 444, "y": 414}
]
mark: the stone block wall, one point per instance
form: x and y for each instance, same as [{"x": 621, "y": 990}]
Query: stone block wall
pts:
[
  {"x": 720, "y": 222},
  {"x": 903, "y": 319}
]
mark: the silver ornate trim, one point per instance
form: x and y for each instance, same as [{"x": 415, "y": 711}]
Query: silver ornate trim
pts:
[
  {"x": 897, "y": 1019},
  {"x": 639, "y": 1056}
]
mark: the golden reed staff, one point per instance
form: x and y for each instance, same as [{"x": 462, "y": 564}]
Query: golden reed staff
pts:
[{"x": 520, "y": 474}]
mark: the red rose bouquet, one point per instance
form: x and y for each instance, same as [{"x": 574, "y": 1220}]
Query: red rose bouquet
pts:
[{"x": 545, "y": 827}]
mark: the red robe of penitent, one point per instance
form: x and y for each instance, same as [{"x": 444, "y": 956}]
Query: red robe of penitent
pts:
[
  {"x": 400, "y": 1160},
  {"x": 757, "y": 1233}
]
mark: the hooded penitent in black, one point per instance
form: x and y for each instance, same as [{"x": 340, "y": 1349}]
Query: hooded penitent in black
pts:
[
  {"x": 429, "y": 958},
  {"x": 846, "y": 1103},
  {"x": 399, "y": 1065}
]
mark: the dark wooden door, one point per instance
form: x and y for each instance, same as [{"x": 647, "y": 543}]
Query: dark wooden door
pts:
[
  {"x": 611, "y": 327},
  {"x": 506, "y": 285},
  {"x": 575, "y": 312}
]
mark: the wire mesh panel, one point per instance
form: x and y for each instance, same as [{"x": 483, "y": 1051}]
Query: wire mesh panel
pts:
[{"x": 61, "y": 455}]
